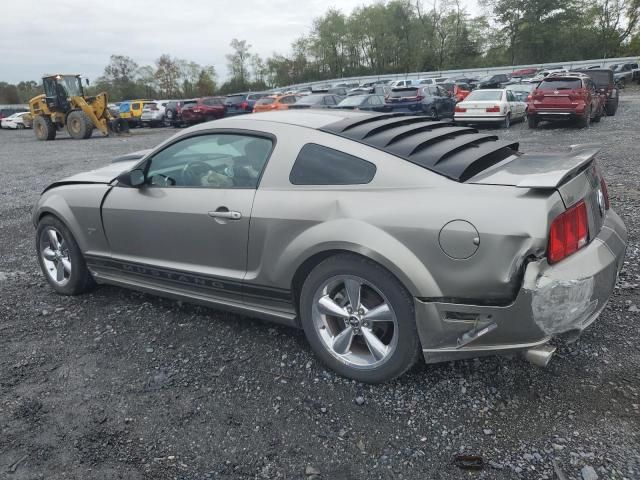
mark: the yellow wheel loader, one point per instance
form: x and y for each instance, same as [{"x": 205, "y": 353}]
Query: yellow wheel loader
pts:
[{"x": 64, "y": 104}]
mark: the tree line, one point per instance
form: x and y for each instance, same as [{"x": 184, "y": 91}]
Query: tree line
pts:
[{"x": 393, "y": 37}]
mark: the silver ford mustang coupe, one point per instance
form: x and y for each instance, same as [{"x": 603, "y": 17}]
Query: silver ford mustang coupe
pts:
[{"x": 382, "y": 236}]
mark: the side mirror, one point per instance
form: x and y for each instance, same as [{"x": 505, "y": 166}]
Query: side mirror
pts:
[{"x": 134, "y": 178}]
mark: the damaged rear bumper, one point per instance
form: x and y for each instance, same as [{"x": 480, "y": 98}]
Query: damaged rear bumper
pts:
[{"x": 564, "y": 298}]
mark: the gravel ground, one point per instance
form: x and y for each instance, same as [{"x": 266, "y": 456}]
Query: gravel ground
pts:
[{"x": 121, "y": 385}]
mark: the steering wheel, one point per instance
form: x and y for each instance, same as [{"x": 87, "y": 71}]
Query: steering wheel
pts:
[{"x": 193, "y": 172}]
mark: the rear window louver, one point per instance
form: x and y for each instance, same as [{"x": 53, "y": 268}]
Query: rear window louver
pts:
[{"x": 456, "y": 152}]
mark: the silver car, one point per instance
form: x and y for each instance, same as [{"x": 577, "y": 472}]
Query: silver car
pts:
[{"x": 382, "y": 236}]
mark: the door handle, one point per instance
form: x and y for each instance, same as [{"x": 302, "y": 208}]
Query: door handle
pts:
[{"x": 224, "y": 212}]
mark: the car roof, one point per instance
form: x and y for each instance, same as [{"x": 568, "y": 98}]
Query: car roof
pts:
[{"x": 442, "y": 147}]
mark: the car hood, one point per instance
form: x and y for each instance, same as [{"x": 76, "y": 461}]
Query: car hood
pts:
[{"x": 104, "y": 175}]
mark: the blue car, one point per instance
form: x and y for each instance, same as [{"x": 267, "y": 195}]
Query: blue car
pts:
[{"x": 242, "y": 102}]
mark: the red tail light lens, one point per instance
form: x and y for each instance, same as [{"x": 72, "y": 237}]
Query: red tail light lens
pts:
[
  {"x": 569, "y": 233},
  {"x": 605, "y": 193},
  {"x": 460, "y": 109},
  {"x": 494, "y": 109},
  {"x": 419, "y": 98},
  {"x": 244, "y": 105},
  {"x": 273, "y": 106}
]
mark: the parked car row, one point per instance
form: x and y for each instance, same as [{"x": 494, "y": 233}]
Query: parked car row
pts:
[
  {"x": 13, "y": 112},
  {"x": 15, "y": 121}
]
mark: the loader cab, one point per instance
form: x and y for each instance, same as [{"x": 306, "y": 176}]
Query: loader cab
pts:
[{"x": 59, "y": 89}]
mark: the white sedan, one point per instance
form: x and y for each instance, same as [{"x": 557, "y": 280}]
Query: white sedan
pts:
[
  {"x": 490, "y": 106},
  {"x": 14, "y": 121}
]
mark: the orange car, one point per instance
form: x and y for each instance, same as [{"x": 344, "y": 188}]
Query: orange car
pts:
[{"x": 274, "y": 102}]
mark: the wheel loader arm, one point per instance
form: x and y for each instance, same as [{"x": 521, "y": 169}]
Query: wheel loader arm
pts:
[{"x": 96, "y": 110}]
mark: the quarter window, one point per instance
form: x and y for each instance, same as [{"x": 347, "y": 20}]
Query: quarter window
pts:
[
  {"x": 318, "y": 165},
  {"x": 210, "y": 161}
]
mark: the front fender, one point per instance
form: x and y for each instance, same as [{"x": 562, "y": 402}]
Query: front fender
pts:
[
  {"x": 78, "y": 207},
  {"x": 352, "y": 235}
]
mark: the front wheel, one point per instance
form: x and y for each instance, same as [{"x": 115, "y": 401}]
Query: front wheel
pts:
[
  {"x": 79, "y": 125},
  {"x": 359, "y": 319},
  {"x": 60, "y": 258},
  {"x": 433, "y": 114},
  {"x": 506, "y": 123}
]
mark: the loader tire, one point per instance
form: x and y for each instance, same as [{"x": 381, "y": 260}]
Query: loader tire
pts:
[
  {"x": 44, "y": 128},
  {"x": 79, "y": 125}
]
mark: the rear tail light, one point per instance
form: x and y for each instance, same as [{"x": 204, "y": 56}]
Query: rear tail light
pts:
[
  {"x": 460, "y": 109},
  {"x": 419, "y": 98},
  {"x": 244, "y": 105},
  {"x": 494, "y": 109},
  {"x": 569, "y": 233},
  {"x": 605, "y": 193},
  {"x": 196, "y": 110},
  {"x": 273, "y": 106}
]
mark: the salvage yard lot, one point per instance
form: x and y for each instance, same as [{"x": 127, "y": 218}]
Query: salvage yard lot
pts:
[{"x": 118, "y": 384}]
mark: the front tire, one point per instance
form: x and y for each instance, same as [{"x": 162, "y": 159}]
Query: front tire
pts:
[
  {"x": 506, "y": 123},
  {"x": 79, "y": 125},
  {"x": 433, "y": 114},
  {"x": 44, "y": 128},
  {"x": 60, "y": 258},
  {"x": 612, "y": 108},
  {"x": 359, "y": 319}
]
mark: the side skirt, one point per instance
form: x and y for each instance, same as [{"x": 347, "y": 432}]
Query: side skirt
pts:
[{"x": 247, "y": 309}]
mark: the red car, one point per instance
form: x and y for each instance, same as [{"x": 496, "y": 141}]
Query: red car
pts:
[
  {"x": 203, "y": 110},
  {"x": 525, "y": 72},
  {"x": 567, "y": 96}
]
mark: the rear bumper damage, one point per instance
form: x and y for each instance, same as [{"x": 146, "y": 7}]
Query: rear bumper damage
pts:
[{"x": 560, "y": 299}]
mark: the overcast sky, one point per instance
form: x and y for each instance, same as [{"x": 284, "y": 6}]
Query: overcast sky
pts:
[{"x": 78, "y": 36}]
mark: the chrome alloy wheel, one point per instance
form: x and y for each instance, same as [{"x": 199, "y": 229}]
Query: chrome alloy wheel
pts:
[
  {"x": 355, "y": 321},
  {"x": 55, "y": 256}
]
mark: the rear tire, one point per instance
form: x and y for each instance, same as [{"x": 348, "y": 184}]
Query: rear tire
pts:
[
  {"x": 583, "y": 121},
  {"x": 65, "y": 254},
  {"x": 612, "y": 108},
  {"x": 376, "y": 350},
  {"x": 44, "y": 128},
  {"x": 533, "y": 121},
  {"x": 79, "y": 125}
]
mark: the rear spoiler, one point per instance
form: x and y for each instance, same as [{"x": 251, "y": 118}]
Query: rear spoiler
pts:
[{"x": 545, "y": 171}]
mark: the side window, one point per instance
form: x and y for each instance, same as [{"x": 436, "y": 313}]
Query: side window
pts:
[
  {"x": 210, "y": 161},
  {"x": 510, "y": 97},
  {"x": 329, "y": 100},
  {"x": 318, "y": 165},
  {"x": 288, "y": 100}
]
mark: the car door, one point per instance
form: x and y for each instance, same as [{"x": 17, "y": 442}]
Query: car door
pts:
[
  {"x": 513, "y": 107},
  {"x": 187, "y": 225}
]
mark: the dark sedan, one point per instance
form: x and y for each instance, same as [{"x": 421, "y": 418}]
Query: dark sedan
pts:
[
  {"x": 494, "y": 81},
  {"x": 372, "y": 103},
  {"x": 316, "y": 101},
  {"x": 431, "y": 100}
]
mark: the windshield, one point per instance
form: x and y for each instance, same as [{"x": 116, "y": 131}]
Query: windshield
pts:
[
  {"x": 310, "y": 100},
  {"x": 352, "y": 101},
  {"x": 560, "y": 84},
  {"x": 233, "y": 99},
  {"x": 484, "y": 95},
  {"x": 266, "y": 101},
  {"x": 601, "y": 79},
  {"x": 72, "y": 86},
  {"x": 409, "y": 92}
]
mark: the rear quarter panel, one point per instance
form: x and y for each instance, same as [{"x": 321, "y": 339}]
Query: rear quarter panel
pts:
[{"x": 396, "y": 221}]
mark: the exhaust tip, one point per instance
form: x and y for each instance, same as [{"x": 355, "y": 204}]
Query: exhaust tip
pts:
[{"x": 540, "y": 356}]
